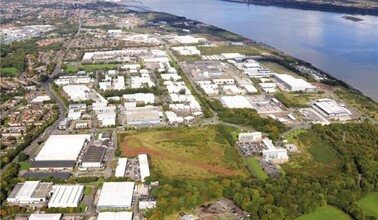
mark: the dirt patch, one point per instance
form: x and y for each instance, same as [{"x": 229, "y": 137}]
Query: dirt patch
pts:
[{"x": 128, "y": 151}]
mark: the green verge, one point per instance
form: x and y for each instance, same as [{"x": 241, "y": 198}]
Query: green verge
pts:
[
  {"x": 88, "y": 190},
  {"x": 369, "y": 204},
  {"x": 24, "y": 165},
  {"x": 256, "y": 169},
  {"x": 9, "y": 71},
  {"x": 327, "y": 212}
]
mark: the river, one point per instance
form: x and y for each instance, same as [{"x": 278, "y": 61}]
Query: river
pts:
[{"x": 346, "y": 49}]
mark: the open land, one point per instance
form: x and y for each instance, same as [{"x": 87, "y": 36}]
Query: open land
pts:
[
  {"x": 185, "y": 153},
  {"x": 327, "y": 212}
]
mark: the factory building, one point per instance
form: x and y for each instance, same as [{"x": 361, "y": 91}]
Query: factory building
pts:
[
  {"x": 46, "y": 216},
  {"x": 29, "y": 193},
  {"x": 250, "y": 137},
  {"x": 121, "y": 167},
  {"x": 64, "y": 196},
  {"x": 94, "y": 157},
  {"x": 143, "y": 166},
  {"x": 235, "y": 102},
  {"x": 143, "y": 115},
  {"x": 115, "y": 216},
  {"x": 60, "y": 152},
  {"x": 332, "y": 109},
  {"x": 294, "y": 84},
  {"x": 116, "y": 195},
  {"x": 272, "y": 153}
]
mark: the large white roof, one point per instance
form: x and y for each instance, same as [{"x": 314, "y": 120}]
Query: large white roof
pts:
[
  {"x": 143, "y": 165},
  {"x": 76, "y": 92},
  {"x": 27, "y": 189},
  {"x": 294, "y": 83},
  {"x": 45, "y": 216},
  {"x": 121, "y": 167},
  {"x": 235, "y": 102},
  {"x": 66, "y": 196},
  {"x": 62, "y": 147},
  {"x": 116, "y": 195},
  {"x": 115, "y": 216}
]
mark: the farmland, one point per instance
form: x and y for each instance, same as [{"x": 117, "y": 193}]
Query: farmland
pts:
[
  {"x": 369, "y": 204},
  {"x": 198, "y": 153},
  {"x": 327, "y": 212}
]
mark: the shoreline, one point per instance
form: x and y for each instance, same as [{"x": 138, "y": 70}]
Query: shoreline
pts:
[
  {"x": 311, "y": 6},
  {"x": 141, "y": 8}
]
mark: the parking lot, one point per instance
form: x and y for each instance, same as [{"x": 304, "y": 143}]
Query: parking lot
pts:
[
  {"x": 132, "y": 169},
  {"x": 270, "y": 168},
  {"x": 249, "y": 148}
]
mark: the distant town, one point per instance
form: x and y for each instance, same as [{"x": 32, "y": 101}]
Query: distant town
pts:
[{"x": 108, "y": 113}]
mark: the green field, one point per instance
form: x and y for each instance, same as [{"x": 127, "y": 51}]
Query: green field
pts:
[
  {"x": 71, "y": 68},
  {"x": 278, "y": 68},
  {"x": 251, "y": 51},
  {"x": 369, "y": 204},
  {"x": 24, "y": 165},
  {"x": 256, "y": 169},
  {"x": 88, "y": 190},
  {"x": 9, "y": 71},
  {"x": 194, "y": 153},
  {"x": 327, "y": 212},
  {"x": 323, "y": 153},
  {"x": 293, "y": 135}
]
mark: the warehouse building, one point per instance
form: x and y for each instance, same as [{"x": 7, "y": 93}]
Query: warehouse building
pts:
[
  {"x": 29, "y": 193},
  {"x": 143, "y": 115},
  {"x": 64, "y": 196},
  {"x": 250, "y": 137},
  {"x": 294, "y": 84},
  {"x": 47, "y": 216},
  {"x": 145, "y": 98},
  {"x": 77, "y": 92},
  {"x": 94, "y": 157},
  {"x": 143, "y": 166},
  {"x": 60, "y": 152},
  {"x": 115, "y": 216},
  {"x": 235, "y": 102},
  {"x": 116, "y": 195},
  {"x": 121, "y": 167},
  {"x": 332, "y": 109},
  {"x": 272, "y": 153}
]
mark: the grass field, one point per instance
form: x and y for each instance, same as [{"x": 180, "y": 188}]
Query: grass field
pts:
[
  {"x": 256, "y": 169},
  {"x": 24, "y": 165},
  {"x": 323, "y": 153},
  {"x": 9, "y": 71},
  {"x": 89, "y": 67},
  {"x": 293, "y": 135},
  {"x": 229, "y": 49},
  {"x": 194, "y": 153},
  {"x": 88, "y": 190},
  {"x": 327, "y": 212},
  {"x": 369, "y": 204},
  {"x": 278, "y": 68}
]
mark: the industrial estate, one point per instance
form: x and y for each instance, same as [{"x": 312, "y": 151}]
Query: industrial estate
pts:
[{"x": 111, "y": 113}]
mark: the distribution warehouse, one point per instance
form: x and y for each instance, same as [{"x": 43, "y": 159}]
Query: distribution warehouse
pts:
[
  {"x": 144, "y": 168},
  {"x": 64, "y": 196},
  {"x": 115, "y": 216},
  {"x": 116, "y": 195},
  {"x": 29, "y": 192},
  {"x": 60, "y": 152},
  {"x": 294, "y": 84}
]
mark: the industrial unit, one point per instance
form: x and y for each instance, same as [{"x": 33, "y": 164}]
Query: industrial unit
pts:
[
  {"x": 143, "y": 115},
  {"x": 60, "y": 152},
  {"x": 47, "y": 216},
  {"x": 294, "y": 84},
  {"x": 29, "y": 193},
  {"x": 121, "y": 167},
  {"x": 116, "y": 195},
  {"x": 115, "y": 216},
  {"x": 332, "y": 109},
  {"x": 143, "y": 166},
  {"x": 64, "y": 196},
  {"x": 94, "y": 157}
]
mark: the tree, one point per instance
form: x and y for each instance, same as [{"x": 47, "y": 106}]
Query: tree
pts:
[{"x": 22, "y": 157}]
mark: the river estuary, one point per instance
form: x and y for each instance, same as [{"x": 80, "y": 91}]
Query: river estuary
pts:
[{"x": 346, "y": 49}]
